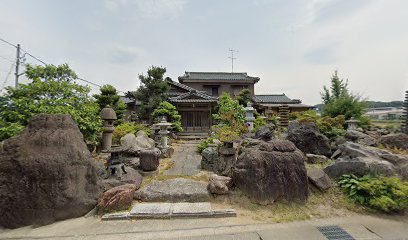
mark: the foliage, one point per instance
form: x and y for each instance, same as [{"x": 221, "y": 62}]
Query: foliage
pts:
[
  {"x": 204, "y": 144},
  {"x": 364, "y": 122},
  {"x": 152, "y": 92},
  {"x": 52, "y": 91},
  {"x": 259, "y": 122},
  {"x": 128, "y": 127},
  {"x": 8, "y": 130},
  {"x": 387, "y": 194},
  {"x": 330, "y": 127},
  {"x": 230, "y": 113},
  {"x": 170, "y": 111},
  {"x": 109, "y": 96},
  {"x": 225, "y": 133},
  {"x": 338, "y": 100},
  {"x": 243, "y": 97}
]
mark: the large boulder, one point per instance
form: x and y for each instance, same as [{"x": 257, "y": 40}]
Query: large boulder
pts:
[
  {"x": 308, "y": 139},
  {"x": 149, "y": 159},
  {"x": 316, "y": 159},
  {"x": 117, "y": 198},
  {"x": 219, "y": 184},
  {"x": 397, "y": 140},
  {"x": 271, "y": 171},
  {"x": 133, "y": 144},
  {"x": 174, "y": 190},
  {"x": 46, "y": 173},
  {"x": 360, "y": 160},
  {"x": 265, "y": 132},
  {"x": 210, "y": 159}
]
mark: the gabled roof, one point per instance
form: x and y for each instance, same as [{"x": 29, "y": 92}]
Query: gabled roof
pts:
[
  {"x": 193, "y": 97},
  {"x": 274, "y": 98},
  {"x": 179, "y": 85},
  {"x": 217, "y": 76}
]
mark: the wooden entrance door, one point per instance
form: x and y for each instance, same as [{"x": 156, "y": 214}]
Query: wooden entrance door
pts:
[{"x": 195, "y": 121}]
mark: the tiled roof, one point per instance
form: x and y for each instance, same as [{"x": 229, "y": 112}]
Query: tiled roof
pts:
[
  {"x": 200, "y": 97},
  {"x": 274, "y": 98},
  {"x": 127, "y": 100},
  {"x": 182, "y": 86},
  {"x": 216, "y": 76}
]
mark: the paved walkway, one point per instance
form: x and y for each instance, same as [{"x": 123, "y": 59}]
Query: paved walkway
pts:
[
  {"x": 187, "y": 161},
  {"x": 92, "y": 228}
]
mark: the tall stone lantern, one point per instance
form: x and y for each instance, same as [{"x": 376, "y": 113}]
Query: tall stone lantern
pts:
[
  {"x": 249, "y": 112},
  {"x": 164, "y": 125},
  {"x": 108, "y": 116}
]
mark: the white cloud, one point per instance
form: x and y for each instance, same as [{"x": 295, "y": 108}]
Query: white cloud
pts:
[{"x": 148, "y": 8}]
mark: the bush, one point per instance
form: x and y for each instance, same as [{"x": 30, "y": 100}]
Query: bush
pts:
[
  {"x": 128, "y": 127},
  {"x": 170, "y": 111},
  {"x": 204, "y": 144},
  {"x": 8, "y": 130},
  {"x": 330, "y": 127},
  {"x": 259, "y": 122},
  {"x": 386, "y": 194}
]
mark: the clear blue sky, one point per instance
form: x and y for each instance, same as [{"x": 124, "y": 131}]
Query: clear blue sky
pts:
[{"x": 293, "y": 46}]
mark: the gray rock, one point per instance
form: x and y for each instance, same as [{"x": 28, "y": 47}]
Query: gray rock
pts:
[
  {"x": 117, "y": 198},
  {"x": 149, "y": 159},
  {"x": 398, "y": 140},
  {"x": 174, "y": 190},
  {"x": 134, "y": 144},
  {"x": 336, "y": 154},
  {"x": 319, "y": 179},
  {"x": 271, "y": 171},
  {"x": 265, "y": 132},
  {"x": 166, "y": 152},
  {"x": 47, "y": 173},
  {"x": 219, "y": 184},
  {"x": 131, "y": 177},
  {"x": 133, "y": 162},
  {"x": 226, "y": 161},
  {"x": 316, "y": 159},
  {"x": 308, "y": 139},
  {"x": 210, "y": 159},
  {"x": 360, "y": 137}
]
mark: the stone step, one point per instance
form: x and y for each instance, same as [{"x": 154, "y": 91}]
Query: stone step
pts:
[{"x": 171, "y": 210}]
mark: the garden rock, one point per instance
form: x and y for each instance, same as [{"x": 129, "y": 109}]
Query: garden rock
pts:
[
  {"x": 360, "y": 160},
  {"x": 149, "y": 159},
  {"x": 319, "y": 179},
  {"x": 133, "y": 144},
  {"x": 316, "y": 159},
  {"x": 174, "y": 190},
  {"x": 210, "y": 159},
  {"x": 47, "y": 173},
  {"x": 132, "y": 176},
  {"x": 226, "y": 161},
  {"x": 265, "y": 132},
  {"x": 116, "y": 199},
  {"x": 397, "y": 140},
  {"x": 360, "y": 137},
  {"x": 219, "y": 184},
  {"x": 308, "y": 139},
  {"x": 271, "y": 171}
]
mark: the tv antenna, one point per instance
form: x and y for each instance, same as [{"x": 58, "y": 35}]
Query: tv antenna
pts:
[{"x": 232, "y": 51}]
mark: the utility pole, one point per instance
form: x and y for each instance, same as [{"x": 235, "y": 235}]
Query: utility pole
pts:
[
  {"x": 17, "y": 64},
  {"x": 232, "y": 51}
]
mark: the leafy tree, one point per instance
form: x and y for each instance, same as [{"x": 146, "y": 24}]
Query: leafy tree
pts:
[
  {"x": 152, "y": 92},
  {"x": 109, "y": 96},
  {"x": 338, "y": 100},
  {"x": 169, "y": 110},
  {"x": 243, "y": 97},
  {"x": 52, "y": 91}
]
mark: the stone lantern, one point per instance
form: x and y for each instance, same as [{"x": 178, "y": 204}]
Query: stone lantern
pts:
[
  {"x": 352, "y": 124},
  {"x": 163, "y": 126},
  {"x": 249, "y": 111},
  {"x": 108, "y": 116}
]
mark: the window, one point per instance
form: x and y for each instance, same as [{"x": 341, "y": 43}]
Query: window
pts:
[{"x": 214, "y": 91}]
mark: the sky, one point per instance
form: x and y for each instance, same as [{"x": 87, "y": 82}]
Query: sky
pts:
[{"x": 293, "y": 46}]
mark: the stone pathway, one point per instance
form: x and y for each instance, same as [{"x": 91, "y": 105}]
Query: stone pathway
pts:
[
  {"x": 170, "y": 210},
  {"x": 187, "y": 161}
]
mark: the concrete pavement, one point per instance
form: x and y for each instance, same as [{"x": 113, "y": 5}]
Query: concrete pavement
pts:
[{"x": 360, "y": 227}]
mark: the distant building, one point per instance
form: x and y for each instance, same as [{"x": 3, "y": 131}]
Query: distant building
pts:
[
  {"x": 196, "y": 95},
  {"x": 385, "y": 113}
]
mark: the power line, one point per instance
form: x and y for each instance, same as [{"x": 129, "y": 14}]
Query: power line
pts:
[{"x": 8, "y": 43}]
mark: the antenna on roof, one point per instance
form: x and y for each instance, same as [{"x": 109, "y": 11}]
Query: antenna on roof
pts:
[{"x": 232, "y": 51}]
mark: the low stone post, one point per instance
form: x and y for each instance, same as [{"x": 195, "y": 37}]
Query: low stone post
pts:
[
  {"x": 249, "y": 112},
  {"x": 108, "y": 116},
  {"x": 352, "y": 124}
]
